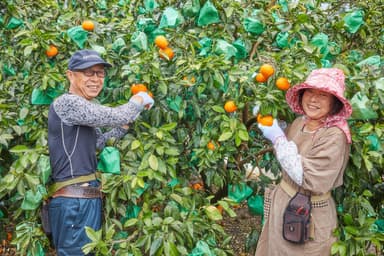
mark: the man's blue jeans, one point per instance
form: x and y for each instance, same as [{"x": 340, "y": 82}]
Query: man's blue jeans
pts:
[{"x": 68, "y": 218}]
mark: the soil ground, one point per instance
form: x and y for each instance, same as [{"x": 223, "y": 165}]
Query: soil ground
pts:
[{"x": 241, "y": 229}]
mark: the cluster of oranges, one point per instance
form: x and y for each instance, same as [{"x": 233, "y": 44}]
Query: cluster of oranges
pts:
[
  {"x": 52, "y": 50},
  {"x": 266, "y": 71},
  {"x": 164, "y": 50}
]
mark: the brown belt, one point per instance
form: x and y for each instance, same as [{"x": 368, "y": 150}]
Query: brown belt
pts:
[{"x": 78, "y": 192}]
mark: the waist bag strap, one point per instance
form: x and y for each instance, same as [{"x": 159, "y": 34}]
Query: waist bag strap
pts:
[
  {"x": 58, "y": 185},
  {"x": 292, "y": 192}
]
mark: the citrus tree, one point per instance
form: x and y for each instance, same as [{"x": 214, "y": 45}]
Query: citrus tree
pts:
[{"x": 182, "y": 161}]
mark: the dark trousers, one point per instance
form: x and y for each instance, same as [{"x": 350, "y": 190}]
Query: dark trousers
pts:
[{"x": 68, "y": 218}]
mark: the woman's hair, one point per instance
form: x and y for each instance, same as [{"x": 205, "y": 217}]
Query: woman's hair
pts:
[{"x": 337, "y": 105}]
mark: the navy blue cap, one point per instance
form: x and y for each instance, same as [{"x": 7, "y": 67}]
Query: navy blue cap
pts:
[{"x": 84, "y": 59}]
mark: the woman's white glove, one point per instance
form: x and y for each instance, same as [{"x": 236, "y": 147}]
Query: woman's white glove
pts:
[
  {"x": 272, "y": 132},
  {"x": 145, "y": 101},
  {"x": 255, "y": 110}
]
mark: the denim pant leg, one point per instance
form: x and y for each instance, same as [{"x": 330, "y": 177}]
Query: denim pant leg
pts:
[{"x": 68, "y": 218}]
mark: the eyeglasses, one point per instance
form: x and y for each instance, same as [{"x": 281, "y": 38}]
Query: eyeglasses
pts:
[{"x": 91, "y": 73}]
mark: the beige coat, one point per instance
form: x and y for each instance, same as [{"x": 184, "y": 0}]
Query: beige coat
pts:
[{"x": 324, "y": 157}]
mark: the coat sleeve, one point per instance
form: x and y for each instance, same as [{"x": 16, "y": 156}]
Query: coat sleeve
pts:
[
  {"x": 325, "y": 161},
  {"x": 75, "y": 110}
]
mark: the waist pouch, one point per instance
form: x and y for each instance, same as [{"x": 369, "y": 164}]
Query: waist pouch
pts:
[
  {"x": 45, "y": 218},
  {"x": 296, "y": 219}
]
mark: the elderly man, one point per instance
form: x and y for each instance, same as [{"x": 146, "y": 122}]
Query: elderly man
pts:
[{"x": 74, "y": 135}]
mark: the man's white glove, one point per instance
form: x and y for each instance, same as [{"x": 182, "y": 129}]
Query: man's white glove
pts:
[
  {"x": 146, "y": 102},
  {"x": 272, "y": 132}
]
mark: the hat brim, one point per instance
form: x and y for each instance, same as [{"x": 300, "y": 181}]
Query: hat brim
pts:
[
  {"x": 292, "y": 98},
  {"x": 92, "y": 63}
]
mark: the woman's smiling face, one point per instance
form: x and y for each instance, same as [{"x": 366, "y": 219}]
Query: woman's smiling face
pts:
[{"x": 317, "y": 104}]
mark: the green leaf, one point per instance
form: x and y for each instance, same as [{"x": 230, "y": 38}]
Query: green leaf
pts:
[
  {"x": 225, "y": 136},
  {"x": 153, "y": 162},
  {"x": 130, "y": 222},
  {"x": 213, "y": 213},
  {"x": 135, "y": 144},
  {"x": 156, "y": 244},
  {"x": 218, "y": 109},
  {"x": 169, "y": 127}
]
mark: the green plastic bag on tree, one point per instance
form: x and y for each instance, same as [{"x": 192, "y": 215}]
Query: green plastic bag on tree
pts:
[
  {"x": 32, "y": 200},
  {"x": 109, "y": 160},
  {"x": 101, "y": 5},
  {"x": 40, "y": 97},
  {"x": 282, "y": 39},
  {"x": 225, "y": 48},
  {"x": 320, "y": 40},
  {"x": 150, "y": 5},
  {"x": 139, "y": 41},
  {"x": 201, "y": 249},
  {"x": 361, "y": 110},
  {"x": 256, "y": 204},
  {"x": 118, "y": 44},
  {"x": 9, "y": 70},
  {"x": 239, "y": 192},
  {"x": 132, "y": 211},
  {"x": 175, "y": 103},
  {"x": 241, "y": 48},
  {"x": 172, "y": 183},
  {"x": 44, "y": 168},
  {"x": 370, "y": 61},
  {"x": 206, "y": 45},
  {"x": 374, "y": 142},
  {"x": 280, "y": 23},
  {"x": 380, "y": 225},
  {"x": 191, "y": 8},
  {"x": 284, "y": 5},
  {"x": 171, "y": 18},
  {"x": 146, "y": 25},
  {"x": 78, "y": 35},
  {"x": 13, "y": 23},
  {"x": 208, "y": 15},
  {"x": 140, "y": 191},
  {"x": 36, "y": 250},
  {"x": 253, "y": 26},
  {"x": 355, "y": 56},
  {"x": 354, "y": 20}
]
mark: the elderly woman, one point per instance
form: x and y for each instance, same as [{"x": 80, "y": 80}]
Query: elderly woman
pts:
[{"x": 313, "y": 153}]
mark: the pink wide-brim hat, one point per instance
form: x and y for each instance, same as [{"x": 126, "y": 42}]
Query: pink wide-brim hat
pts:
[{"x": 331, "y": 80}]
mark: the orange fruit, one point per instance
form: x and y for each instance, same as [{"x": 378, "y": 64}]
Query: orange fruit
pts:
[
  {"x": 52, "y": 51},
  {"x": 88, "y": 25},
  {"x": 166, "y": 53},
  {"x": 282, "y": 83},
  {"x": 267, "y": 70},
  {"x": 161, "y": 42},
  {"x": 197, "y": 186},
  {"x": 220, "y": 208},
  {"x": 230, "y": 106},
  {"x": 211, "y": 146},
  {"x": 261, "y": 78},
  {"x": 136, "y": 88},
  {"x": 265, "y": 120}
]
